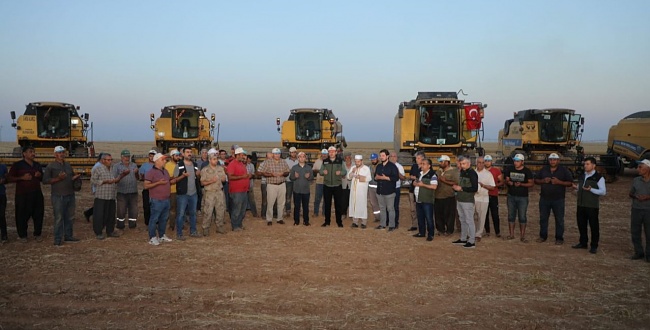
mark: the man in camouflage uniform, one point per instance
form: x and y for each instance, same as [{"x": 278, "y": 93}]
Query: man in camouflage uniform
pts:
[{"x": 212, "y": 178}]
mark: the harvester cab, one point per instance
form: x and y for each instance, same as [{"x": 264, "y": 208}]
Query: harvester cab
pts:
[
  {"x": 45, "y": 125},
  {"x": 537, "y": 133},
  {"x": 310, "y": 130},
  {"x": 183, "y": 126},
  {"x": 438, "y": 123}
]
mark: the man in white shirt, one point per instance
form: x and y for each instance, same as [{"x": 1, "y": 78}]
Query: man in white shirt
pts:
[{"x": 481, "y": 198}]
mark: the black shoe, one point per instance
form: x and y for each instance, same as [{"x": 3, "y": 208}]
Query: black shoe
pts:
[
  {"x": 270, "y": 223},
  {"x": 391, "y": 229},
  {"x": 87, "y": 216},
  {"x": 418, "y": 235},
  {"x": 307, "y": 224},
  {"x": 325, "y": 225},
  {"x": 429, "y": 239},
  {"x": 296, "y": 223},
  {"x": 380, "y": 227},
  {"x": 593, "y": 250},
  {"x": 72, "y": 240},
  {"x": 340, "y": 225},
  {"x": 469, "y": 245},
  {"x": 413, "y": 229},
  {"x": 637, "y": 256},
  {"x": 579, "y": 246},
  {"x": 132, "y": 224},
  {"x": 354, "y": 225},
  {"x": 363, "y": 226},
  {"x": 281, "y": 222},
  {"x": 459, "y": 242},
  {"x": 113, "y": 234}
]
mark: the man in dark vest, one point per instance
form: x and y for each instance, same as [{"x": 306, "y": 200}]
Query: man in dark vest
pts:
[
  {"x": 188, "y": 185},
  {"x": 590, "y": 187}
]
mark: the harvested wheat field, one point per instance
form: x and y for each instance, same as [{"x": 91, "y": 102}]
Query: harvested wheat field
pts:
[{"x": 297, "y": 277}]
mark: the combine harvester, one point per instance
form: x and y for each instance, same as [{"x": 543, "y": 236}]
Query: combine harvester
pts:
[
  {"x": 629, "y": 140},
  {"x": 438, "y": 123},
  {"x": 309, "y": 130},
  {"x": 536, "y": 133},
  {"x": 45, "y": 125},
  {"x": 181, "y": 126}
]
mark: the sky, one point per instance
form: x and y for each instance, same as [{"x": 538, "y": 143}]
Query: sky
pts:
[{"x": 252, "y": 61}]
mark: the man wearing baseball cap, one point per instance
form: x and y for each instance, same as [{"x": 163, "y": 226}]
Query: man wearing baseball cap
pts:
[
  {"x": 554, "y": 179},
  {"x": 127, "y": 190},
  {"x": 640, "y": 219},
  {"x": 518, "y": 180},
  {"x": 318, "y": 189},
  {"x": 275, "y": 170},
  {"x": 157, "y": 182},
  {"x": 146, "y": 208},
  {"x": 59, "y": 174},
  {"x": 238, "y": 178},
  {"x": 445, "y": 197},
  {"x": 333, "y": 172}
]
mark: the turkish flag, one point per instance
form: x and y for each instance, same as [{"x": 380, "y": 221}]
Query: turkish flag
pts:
[{"x": 472, "y": 116}]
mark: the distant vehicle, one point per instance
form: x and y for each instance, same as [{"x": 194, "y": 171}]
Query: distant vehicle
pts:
[
  {"x": 537, "y": 133},
  {"x": 183, "y": 126},
  {"x": 45, "y": 125},
  {"x": 630, "y": 139},
  {"x": 310, "y": 130},
  {"x": 438, "y": 123}
]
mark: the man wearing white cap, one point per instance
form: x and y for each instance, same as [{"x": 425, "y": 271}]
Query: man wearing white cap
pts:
[
  {"x": 291, "y": 161},
  {"x": 275, "y": 170},
  {"x": 60, "y": 175},
  {"x": 554, "y": 179},
  {"x": 359, "y": 176},
  {"x": 263, "y": 186},
  {"x": 518, "y": 180},
  {"x": 318, "y": 190},
  {"x": 158, "y": 184},
  {"x": 146, "y": 207},
  {"x": 640, "y": 217},
  {"x": 238, "y": 183},
  {"x": 333, "y": 172},
  {"x": 445, "y": 204}
]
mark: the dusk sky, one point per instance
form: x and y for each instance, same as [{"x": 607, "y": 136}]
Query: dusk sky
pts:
[{"x": 252, "y": 61}]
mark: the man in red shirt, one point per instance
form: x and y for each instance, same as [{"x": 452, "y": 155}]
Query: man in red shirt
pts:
[
  {"x": 238, "y": 182},
  {"x": 493, "y": 207}
]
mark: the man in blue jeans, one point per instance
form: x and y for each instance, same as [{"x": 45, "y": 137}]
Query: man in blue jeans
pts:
[
  {"x": 158, "y": 183},
  {"x": 554, "y": 179},
  {"x": 518, "y": 180},
  {"x": 188, "y": 183},
  {"x": 60, "y": 175}
]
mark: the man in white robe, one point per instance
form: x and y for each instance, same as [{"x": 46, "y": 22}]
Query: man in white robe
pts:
[{"x": 359, "y": 176}]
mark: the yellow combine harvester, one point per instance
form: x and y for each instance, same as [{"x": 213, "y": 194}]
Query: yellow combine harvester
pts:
[
  {"x": 438, "y": 123},
  {"x": 629, "y": 140},
  {"x": 45, "y": 125},
  {"x": 182, "y": 126},
  {"x": 309, "y": 130},
  {"x": 536, "y": 133}
]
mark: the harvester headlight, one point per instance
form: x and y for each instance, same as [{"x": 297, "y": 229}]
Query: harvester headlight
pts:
[
  {"x": 161, "y": 134},
  {"x": 74, "y": 121}
]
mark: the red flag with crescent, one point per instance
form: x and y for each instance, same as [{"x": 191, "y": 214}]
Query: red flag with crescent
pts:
[{"x": 473, "y": 116}]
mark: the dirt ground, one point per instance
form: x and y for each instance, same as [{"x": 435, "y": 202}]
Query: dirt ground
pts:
[{"x": 286, "y": 277}]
